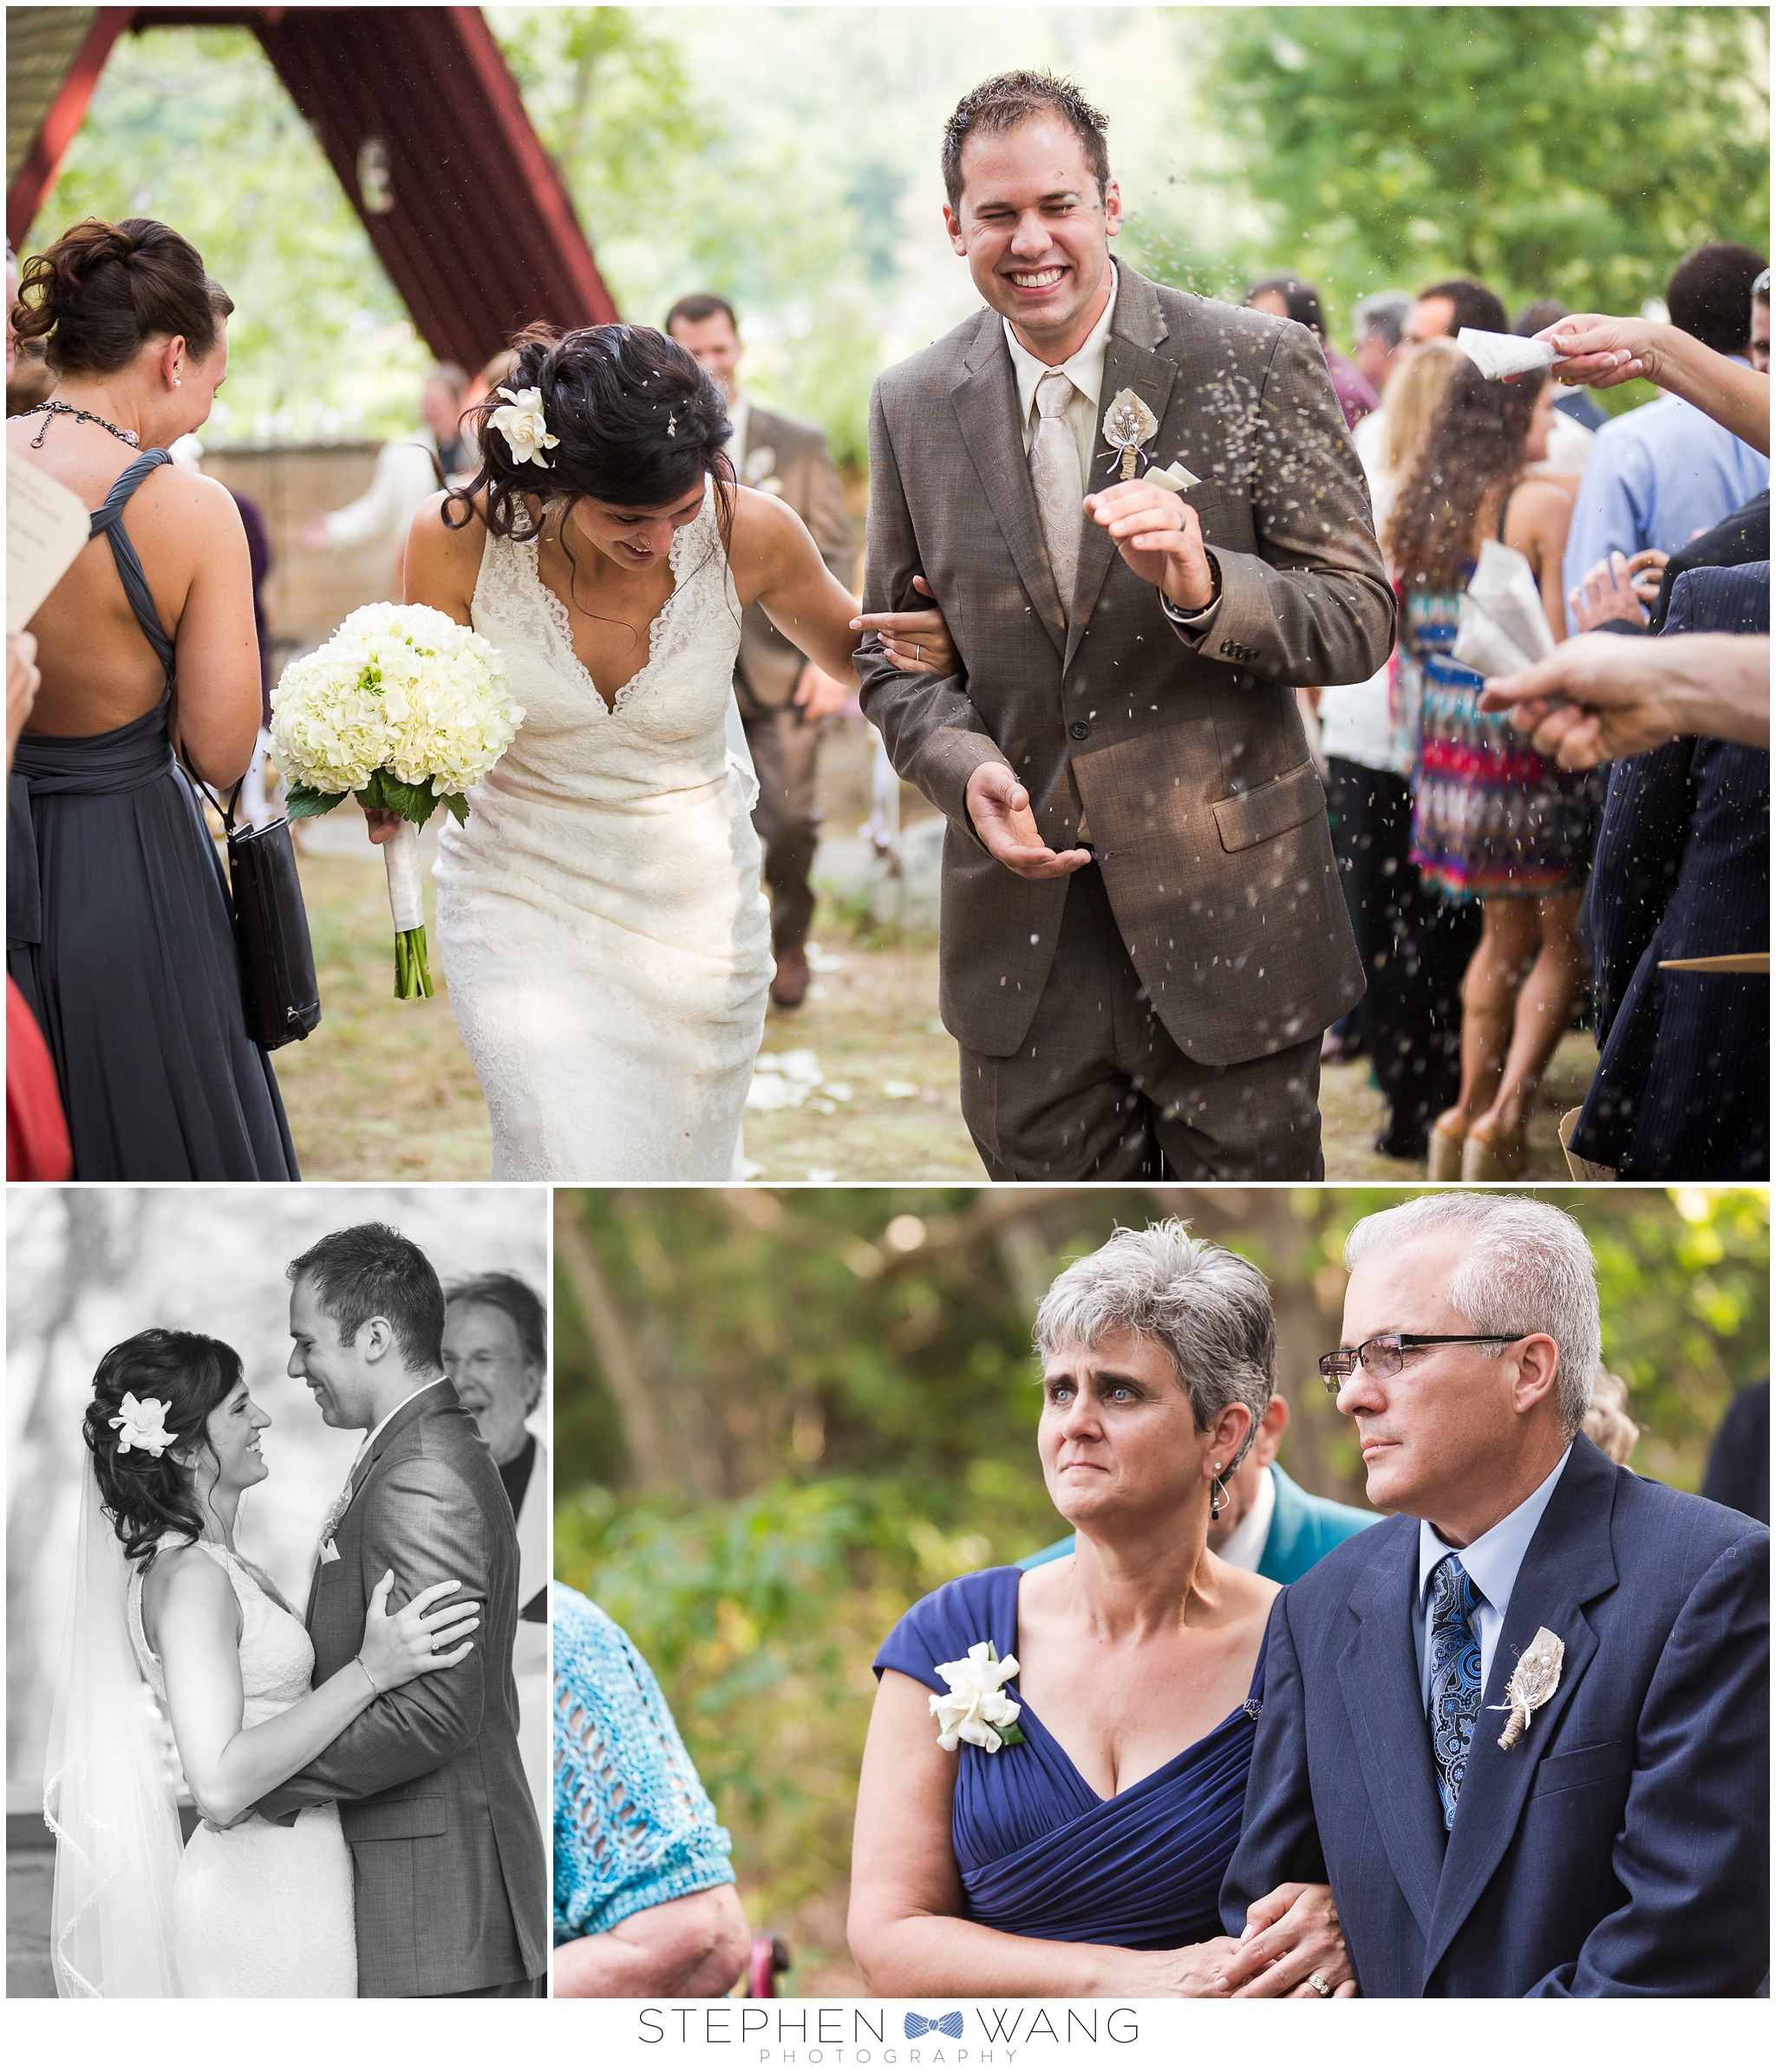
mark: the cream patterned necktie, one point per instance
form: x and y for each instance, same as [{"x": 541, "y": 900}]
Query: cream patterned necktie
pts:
[{"x": 1055, "y": 476}]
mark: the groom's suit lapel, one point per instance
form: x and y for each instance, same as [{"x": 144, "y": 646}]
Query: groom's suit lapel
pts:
[
  {"x": 1130, "y": 361},
  {"x": 1568, "y": 1563},
  {"x": 1378, "y": 1674},
  {"x": 984, "y": 397},
  {"x": 428, "y": 1403}
]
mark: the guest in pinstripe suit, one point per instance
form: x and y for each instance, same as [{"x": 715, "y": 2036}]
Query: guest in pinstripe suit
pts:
[{"x": 452, "y": 1888}]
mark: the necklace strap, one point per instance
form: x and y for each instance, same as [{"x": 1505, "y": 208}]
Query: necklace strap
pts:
[{"x": 52, "y": 408}]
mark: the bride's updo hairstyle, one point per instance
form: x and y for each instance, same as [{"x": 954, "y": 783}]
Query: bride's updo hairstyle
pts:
[
  {"x": 103, "y": 290},
  {"x": 148, "y": 1495},
  {"x": 640, "y": 425}
]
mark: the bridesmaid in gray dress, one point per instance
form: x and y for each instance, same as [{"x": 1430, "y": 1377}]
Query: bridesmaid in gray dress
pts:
[{"x": 117, "y": 928}]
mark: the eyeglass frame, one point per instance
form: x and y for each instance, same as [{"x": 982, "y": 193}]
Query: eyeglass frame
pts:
[{"x": 1408, "y": 1341}]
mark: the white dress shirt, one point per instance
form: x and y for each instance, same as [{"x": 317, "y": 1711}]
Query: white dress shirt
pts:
[
  {"x": 1244, "y": 1546},
  {"x": 1492, "y": 1560},
  {"x": 1085, "y": 370}
]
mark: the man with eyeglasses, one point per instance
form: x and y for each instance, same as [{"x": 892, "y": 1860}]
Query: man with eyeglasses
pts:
[{"x": 1522, "y": 1728}]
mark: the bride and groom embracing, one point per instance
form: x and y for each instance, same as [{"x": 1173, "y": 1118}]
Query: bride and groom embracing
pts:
[{"x": 366, "y": 1830}]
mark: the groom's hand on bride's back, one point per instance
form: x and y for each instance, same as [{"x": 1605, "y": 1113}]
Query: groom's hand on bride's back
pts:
[{"x": 1000, "y": 808}]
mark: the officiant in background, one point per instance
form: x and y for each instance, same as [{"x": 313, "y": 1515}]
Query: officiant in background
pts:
[{"x": 88, "y": 1267}]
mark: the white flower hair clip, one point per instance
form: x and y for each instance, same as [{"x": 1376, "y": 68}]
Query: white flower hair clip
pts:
[
  {"x": 142, "y": 1426},
  {"x": 519, "y": 422}
]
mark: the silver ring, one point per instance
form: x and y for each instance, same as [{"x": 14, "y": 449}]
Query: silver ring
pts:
[
  {"x": 915, "y": 650},
  {"x": 1319, "y": 1985}
]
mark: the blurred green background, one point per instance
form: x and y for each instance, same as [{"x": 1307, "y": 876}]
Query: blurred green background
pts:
[
  {"x": 782, "y": 1416},
  {"x": 787, "y": 156}
]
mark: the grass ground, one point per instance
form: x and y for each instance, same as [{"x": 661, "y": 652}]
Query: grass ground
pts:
[{"x": 383, "y": 1089}]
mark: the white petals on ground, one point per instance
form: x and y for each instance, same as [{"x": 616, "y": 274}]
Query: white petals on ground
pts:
[
  {"x": 784, "y": 1079},
  {"x": 976, "y": 1708}
]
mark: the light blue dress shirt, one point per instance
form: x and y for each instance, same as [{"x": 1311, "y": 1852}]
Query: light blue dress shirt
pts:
[
  {"x": 1492, "y": 1560},
  {"x": 1655, "y": 478}
]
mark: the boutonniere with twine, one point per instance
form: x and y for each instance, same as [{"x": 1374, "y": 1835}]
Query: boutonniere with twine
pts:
[
  {"x": 330, "y": 1524},
  {"x": 1128, "y": 426},
  {"x": 1533, "y": 1682},
  {"x": 976, "y": 1709}
]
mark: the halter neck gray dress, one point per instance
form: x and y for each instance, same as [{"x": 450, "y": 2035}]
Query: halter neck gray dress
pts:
[{"x": 119, "y": 936}]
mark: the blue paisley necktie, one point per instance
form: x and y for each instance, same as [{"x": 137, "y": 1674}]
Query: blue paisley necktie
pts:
[
  {"x": 948, "y": 2025},
  {"x": 1455, "y": 1676}
]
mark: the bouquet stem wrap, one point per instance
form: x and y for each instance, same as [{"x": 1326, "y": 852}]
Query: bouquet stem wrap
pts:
[{"x": 407, "y": 904}]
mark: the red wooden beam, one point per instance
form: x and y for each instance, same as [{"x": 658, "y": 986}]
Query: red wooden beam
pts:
[
  {"x": 44, "y": 161},
  {"x": 481, "y": 238}
]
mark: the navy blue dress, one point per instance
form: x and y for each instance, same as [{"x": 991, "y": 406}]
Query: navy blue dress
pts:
[
  {"x": 119, "y": 937},
  {"x": 1040, "y": 1852}
]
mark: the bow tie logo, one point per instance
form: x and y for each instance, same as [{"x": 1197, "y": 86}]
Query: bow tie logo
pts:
[{"x": 948, "y": 2025}]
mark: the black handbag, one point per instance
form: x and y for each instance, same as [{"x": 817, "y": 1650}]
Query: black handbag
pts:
[{"x": 278, "y": 989}]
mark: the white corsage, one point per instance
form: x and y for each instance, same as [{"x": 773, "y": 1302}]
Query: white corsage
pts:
[
  {"x": 520, "y": 422},
  {"x": 143, "y": 1426},
  {"x": 1533, "y": 1682},
  {"x": 976, "y": 1709}
]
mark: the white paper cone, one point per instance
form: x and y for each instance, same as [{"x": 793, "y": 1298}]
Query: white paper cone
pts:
[
  {"x": 1503, "y": 587},
  {"x": 407, "y": 901},
  {"x": 1499, "y": 353}
]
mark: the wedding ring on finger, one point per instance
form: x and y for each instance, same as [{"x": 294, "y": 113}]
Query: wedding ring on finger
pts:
[{"x": 1319, "y": 1985}]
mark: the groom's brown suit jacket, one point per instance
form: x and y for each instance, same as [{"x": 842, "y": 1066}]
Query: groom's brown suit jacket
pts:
[
  {"x": 1184, "y": 749},
  {"x": 452, "y": 1883}
]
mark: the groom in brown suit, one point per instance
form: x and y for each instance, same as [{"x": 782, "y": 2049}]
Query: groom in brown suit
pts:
[
  {"x": 452, "y": 1883},
  {"x": 1142, "y": 934}
]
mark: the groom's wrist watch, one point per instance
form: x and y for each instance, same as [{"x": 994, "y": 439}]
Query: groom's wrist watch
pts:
[{"x": 1179, "y": 615}]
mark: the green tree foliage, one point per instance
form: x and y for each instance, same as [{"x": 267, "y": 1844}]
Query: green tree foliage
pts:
[
  {"x": 782, "y": 1417},
  {"x": 676, "y": 196},
  {"x": 193, "y": 127},
  {"x": 1569, "y": 152}
]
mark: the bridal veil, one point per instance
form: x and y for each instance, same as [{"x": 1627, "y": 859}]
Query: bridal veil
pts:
[{"x": 107, "y": 1792}]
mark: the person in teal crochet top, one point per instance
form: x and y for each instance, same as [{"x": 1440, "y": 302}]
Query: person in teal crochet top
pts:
[
  {"x": 1271, "y": 1526},
  {"x": 644, "y": 1898}
]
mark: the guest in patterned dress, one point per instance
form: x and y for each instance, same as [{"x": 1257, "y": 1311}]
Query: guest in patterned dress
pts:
[
  {"x": 1492, "y": 821},
  {"x": 644, "y": 1898}
]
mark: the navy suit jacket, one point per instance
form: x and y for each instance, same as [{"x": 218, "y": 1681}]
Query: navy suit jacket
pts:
[{"x": 1622, "y": 1847}]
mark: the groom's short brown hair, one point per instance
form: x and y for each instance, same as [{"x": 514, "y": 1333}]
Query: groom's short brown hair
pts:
[
  {"x": 373, "y": 1271},
  {"x": 1013, "y": 97}
]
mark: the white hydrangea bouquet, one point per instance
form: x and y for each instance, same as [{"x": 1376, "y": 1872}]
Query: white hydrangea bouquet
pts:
[{"x": 405, "y": 709}]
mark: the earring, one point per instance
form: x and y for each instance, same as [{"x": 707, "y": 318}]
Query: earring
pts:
[
  {"x": 1218, "y": 1492},
  {"x": 177, "y": 383}
]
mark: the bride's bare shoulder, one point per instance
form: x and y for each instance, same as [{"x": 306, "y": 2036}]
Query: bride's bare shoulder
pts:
[{"x": 184, "y": 1581}]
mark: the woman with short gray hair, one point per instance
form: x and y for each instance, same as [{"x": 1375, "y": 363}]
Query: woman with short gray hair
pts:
[{"x": 1055, "y": 1773}]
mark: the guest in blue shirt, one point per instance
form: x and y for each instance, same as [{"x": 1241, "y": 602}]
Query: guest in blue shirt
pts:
[
  {"x": 1269, "y": 1525},
  {"x": 1056, "y": 1766},
  {"x": 644, "y": 1898},
  {"x": 1664, "y": 472}
]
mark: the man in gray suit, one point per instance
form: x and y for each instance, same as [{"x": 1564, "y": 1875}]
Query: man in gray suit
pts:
[
  {"x": 1142, "y": 931},
  {"x": 452, "y": 1883},
  {"x": 782, "y": 695}
]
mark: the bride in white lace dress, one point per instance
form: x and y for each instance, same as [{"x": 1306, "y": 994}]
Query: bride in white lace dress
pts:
[
  {"x": 603, "y": 930},
  {"x": 247, "y": 1908}
]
